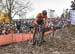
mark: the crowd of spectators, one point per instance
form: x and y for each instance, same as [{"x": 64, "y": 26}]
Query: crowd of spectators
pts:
[
  {"x": 26, "y": 26},
  {"x": 15, "y": 27}
]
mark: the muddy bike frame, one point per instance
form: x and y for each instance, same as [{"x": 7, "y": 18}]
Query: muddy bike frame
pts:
[{"x": 38, "y": 34}]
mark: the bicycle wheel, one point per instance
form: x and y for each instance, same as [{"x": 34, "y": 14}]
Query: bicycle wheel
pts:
[
  {"x": 34, "y": 38},
  {"x": 40, "y": 39},
  {"x": 39, "y": 36}
]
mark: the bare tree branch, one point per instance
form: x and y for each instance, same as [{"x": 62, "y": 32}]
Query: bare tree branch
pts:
[
  {"x": 7, "y": 4},
  {"x": 17, "y": 7},
  {"x": 21, "y": 8},
  {"x": 18, "y": 11}
]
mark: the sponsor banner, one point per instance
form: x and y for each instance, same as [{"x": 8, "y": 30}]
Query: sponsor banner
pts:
[{"x": 72, "y": 17}]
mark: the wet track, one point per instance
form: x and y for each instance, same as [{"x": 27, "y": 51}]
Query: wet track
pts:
[{"x": 62, "y": 43}]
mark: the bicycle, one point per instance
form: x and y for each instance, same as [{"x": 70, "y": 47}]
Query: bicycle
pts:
[{"x": 38, "y": 35}]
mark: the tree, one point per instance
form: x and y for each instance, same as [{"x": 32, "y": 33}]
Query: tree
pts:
[{"x": 16, "y": 7}]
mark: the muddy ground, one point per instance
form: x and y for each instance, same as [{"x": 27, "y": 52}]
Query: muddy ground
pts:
[{"x": 62, "y": 43}]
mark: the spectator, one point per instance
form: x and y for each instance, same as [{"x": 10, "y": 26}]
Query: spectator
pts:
[{"x": 18, "y": 26}]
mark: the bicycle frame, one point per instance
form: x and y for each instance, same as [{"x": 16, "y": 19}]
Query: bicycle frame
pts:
[{"x": 37, "y": 37}]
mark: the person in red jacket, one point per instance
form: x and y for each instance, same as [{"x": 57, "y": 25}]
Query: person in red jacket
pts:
[{"x": 41, "y": 19}]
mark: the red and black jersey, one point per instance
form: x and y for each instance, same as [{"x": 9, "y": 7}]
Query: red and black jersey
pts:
[{"x": 41, "y": 17}]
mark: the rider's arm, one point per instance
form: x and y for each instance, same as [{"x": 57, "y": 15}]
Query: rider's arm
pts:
[
  {"x": 37, "y": 18},
  {"x": 35, "y": 21},
  {"x": 46, "y": 18}
]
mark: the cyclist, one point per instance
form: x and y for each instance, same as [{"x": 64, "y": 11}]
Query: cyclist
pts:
[{"x": 41, "y": 19}]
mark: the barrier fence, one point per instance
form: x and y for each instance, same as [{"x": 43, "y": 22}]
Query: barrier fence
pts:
[
  {"x": 19, "y": 37},
  {"x": 12, "y": 38}
]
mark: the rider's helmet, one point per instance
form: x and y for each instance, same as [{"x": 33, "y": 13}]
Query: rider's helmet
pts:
[{"x": 44, "y": 12}]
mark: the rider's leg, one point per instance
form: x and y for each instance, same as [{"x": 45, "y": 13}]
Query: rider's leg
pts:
[
  {"x": 43, "y": 36},
  {"x": 34, "y": 39}
]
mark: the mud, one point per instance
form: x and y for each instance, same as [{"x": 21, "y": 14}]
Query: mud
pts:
[{"x": 61, "y": 43}]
